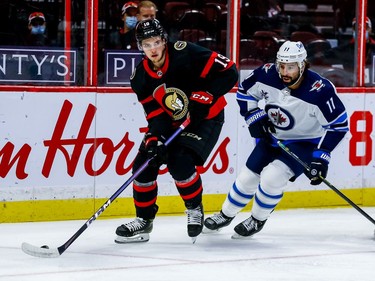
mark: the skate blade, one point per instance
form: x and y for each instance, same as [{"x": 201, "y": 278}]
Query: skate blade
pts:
[
  {"x": 206, "y": 230},
  {"x": 139, "y": 238},
  {"x": 240, "y": 237},
  {"x": 193, "y": 239}
]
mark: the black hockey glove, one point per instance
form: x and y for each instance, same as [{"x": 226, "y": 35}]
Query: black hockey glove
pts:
[
  {"x": 318, "y": 166},
  {"x": 259, "y": 124},
  {"x": 199, "y": 106},
  {"x": 156, "y": 149}
]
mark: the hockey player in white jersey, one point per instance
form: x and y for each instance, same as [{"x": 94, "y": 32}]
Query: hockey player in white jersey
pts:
[{"x": 302, "y": 110}]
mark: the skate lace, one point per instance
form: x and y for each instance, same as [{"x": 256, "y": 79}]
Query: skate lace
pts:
[
  {"x": 250, "y": 223},
  {"x": 194, "y": 216},
  {"x": 135, "y": 225},
  {"x": 218, "y": 218}
]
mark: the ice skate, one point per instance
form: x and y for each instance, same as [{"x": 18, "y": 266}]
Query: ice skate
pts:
[
  {"x": 134, "y": 232},
  {"x": 216, "y": 222},
  {"x": 248, "y": 228},
  {"x": 195, "y": 222}
]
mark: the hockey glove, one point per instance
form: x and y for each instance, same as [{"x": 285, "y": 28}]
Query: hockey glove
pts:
[
  {"x": 199, "y": 106},
  {"x": 156, "y": 150},
  {"x": 259, "y": 124},
  {"x": 318, "y": 166}
]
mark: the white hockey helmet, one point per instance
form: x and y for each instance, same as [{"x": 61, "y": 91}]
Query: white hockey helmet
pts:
[{"x": 291, "y": 51}]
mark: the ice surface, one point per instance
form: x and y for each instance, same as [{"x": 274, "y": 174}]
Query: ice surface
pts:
[{"x": 299, "y": 244}]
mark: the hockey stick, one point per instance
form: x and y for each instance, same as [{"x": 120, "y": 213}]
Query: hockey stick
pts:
[
  {"x": 342, "y": 195},
  {"x": 46, "y": 252}
]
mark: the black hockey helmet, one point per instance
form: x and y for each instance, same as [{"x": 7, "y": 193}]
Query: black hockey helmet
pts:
[{"x": 149, "y": 28}]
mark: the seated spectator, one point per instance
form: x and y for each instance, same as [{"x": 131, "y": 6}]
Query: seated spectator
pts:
[
  {"x": 146, "y": 10},
  {"x": 368, "y": 30},
  {"x": 343, "y": 56},
  {"x": 129, "y": 17},
  {"x": 37, "y": 30}
]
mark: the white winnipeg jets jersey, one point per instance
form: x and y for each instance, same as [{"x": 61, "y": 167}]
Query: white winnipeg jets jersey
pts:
[{"x": 313, "y": 112}]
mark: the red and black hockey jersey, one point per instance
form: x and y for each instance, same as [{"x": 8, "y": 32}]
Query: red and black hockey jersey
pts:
[{"x": 188, "y": 68}]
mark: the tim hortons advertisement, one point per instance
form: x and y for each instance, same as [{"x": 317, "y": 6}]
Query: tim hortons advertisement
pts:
[{"x": 82, "y": 145}]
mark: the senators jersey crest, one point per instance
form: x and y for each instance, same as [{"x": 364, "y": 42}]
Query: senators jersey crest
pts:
[{"x": 173, "y": 100}]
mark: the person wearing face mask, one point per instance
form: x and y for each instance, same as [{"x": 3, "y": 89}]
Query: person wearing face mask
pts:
[
  {"x": 129, "y": 17},
  {"x": 368, "y": 31},
  {"x": 343, "y": 56},
  {"x": 37, "y": 30}
]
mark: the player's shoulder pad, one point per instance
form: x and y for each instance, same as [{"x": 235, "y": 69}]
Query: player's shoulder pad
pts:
[{"x": 180, "y": 45}]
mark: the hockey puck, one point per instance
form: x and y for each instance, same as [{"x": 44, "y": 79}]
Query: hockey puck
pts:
[{"x": 44, "y": 247}]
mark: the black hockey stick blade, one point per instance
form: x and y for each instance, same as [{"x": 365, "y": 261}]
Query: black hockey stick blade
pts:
[
  {"x": 47, "y": 252},
  {"x": 331, "y": 186}
]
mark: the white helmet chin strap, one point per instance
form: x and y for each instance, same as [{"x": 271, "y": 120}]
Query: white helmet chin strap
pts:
[
  {"x": 301, "y": 70},
  {"x": 301, "y": 66}
]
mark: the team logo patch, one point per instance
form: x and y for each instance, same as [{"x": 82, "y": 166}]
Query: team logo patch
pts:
[
  {"x": 280, "y": 118},
  {"x": 267, "y": 66},
  {"x": 173, "y": 100},
  {"x": 318, "y": 84},
  {"x": 179, "y": 45}
]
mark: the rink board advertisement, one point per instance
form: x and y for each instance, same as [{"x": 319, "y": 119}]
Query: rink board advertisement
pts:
[
  {"x": 63, "y": 146},
  {"x": 38, "y": 65}
]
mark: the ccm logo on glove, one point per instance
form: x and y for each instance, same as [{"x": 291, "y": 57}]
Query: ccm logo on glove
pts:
[{"x": 202, "y": 97}]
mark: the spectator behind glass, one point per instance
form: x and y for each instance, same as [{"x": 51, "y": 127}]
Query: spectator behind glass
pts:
[
  {"x": 146, "y": 10},
  {"x": 368, "y": 31},
  {"x": 129, "y": 17},
  {"x": 343, "y": 56},
  {"x": 37, "y": 30},
  {"x": 131, "y": 14}
]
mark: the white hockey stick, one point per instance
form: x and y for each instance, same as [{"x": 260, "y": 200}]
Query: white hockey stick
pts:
[{"x": 47, "y": 252}]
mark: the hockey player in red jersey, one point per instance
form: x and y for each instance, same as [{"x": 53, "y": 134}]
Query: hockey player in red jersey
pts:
[
  {"x": 303, "y": 111},
  {"x": 175, "y": 80}
]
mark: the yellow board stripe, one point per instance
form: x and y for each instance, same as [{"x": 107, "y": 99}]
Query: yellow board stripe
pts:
[{"x": 55, "y": 210}]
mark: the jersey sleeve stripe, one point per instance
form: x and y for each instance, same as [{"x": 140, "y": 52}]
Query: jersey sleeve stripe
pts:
[
  {"x": 340, "y": 124},
  {"x": 154, "y": 113},
  {"x": 217, "y": 107},
  {"x": 243, "y": 97},
  {"x": 209, "y": 64},
  {"x": 146, "y": 100}
]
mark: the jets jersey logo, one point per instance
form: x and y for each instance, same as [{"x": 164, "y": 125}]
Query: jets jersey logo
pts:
[
  {"x": 279, "y": 117},
  {"x": 267, "y": 67},
  {"x": 317, "y": 85},
  {"x": 172, "y": 100}
]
